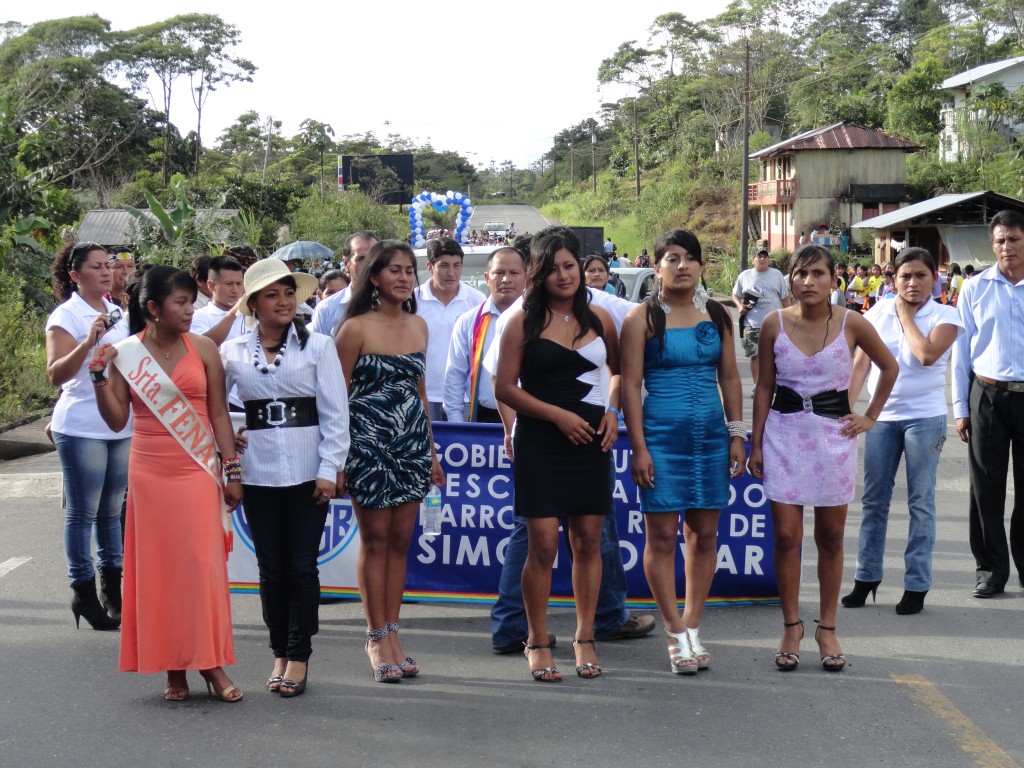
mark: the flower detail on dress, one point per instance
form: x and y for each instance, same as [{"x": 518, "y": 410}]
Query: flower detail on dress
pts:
[{"x": 707, "y": 332}]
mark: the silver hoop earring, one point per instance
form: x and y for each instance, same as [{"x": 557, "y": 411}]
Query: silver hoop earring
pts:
[{"x": 375, "y": 298}]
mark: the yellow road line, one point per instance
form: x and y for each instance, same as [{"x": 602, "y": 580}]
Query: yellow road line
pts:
[{"x": 985, "y": 752}]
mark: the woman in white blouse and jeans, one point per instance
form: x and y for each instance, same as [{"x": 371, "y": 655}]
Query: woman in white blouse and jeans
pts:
[
  {"x": 919, "y": 332},
  {"x": 296, "y": 412}
]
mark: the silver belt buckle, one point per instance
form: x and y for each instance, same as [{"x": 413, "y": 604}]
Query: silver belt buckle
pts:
[
  {"x": 1015, "y": 386},
  {"x": 274, "y": 408},
  {"x": 808, "y": 405}
]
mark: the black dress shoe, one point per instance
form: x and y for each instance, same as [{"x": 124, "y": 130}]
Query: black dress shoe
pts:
[{"x": 987, "y": 589}]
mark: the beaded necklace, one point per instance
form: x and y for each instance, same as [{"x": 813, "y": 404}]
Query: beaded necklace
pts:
[{"x": 277, "y": 360}]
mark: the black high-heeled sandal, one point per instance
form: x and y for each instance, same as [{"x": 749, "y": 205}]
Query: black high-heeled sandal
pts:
[
  {"x": 592, "y": 670},
  {"x": 837, "y": 661},
  {"x": 793, "y": 657},
  {"x": 546, "y": 674},
  {"x": 294, "y": 688}
]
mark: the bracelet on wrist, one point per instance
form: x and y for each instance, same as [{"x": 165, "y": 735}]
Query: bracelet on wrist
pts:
[
  {"x": 609, "y": 409},
  {"x": 99, "y": 378},
  {"x": 234, "y": 477},
  {"x": 232, "y": 466},
  {"x": 737, "y": 429}
]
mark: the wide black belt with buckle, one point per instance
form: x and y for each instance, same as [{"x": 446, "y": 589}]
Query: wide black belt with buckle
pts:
[
  {"x": 833, "y": 404},
  {"x": 285, "y": 412},
  {"x": 1010, "y": 386}
]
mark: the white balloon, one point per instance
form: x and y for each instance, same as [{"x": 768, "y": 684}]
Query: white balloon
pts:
[{"x": 459, "y": 196}]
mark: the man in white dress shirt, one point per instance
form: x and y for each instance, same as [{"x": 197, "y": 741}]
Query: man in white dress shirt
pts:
[
  {"x": 468, "y": 392},
  {"x": 331, "y": 311},
  {"x": 441, "y": 301},
  {"x": 219, "y": 320}
]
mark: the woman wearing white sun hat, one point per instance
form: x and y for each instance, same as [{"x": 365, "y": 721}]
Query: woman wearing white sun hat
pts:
[{"x": 296, "y": 415}]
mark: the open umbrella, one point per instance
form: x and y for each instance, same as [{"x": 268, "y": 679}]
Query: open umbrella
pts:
[{"x": 302, "y": 250}]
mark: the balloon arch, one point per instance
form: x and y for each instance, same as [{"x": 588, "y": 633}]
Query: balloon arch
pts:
[{"x": 439, "y": 202}]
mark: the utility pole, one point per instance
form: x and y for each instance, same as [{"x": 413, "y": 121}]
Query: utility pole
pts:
[
  {"x": 266, "y": 156},
  {"x": 636, "y": 149},
  {"x": 745, "y": 204},
  {"x": 593, "y": 155},
  {"x": 572, "y": 168}
]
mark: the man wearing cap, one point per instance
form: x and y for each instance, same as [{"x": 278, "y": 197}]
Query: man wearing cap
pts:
[
  {"x": 441, "y": 301},
  {"x": 758, "y": 291},
  {"x": 331, "y": 311}
]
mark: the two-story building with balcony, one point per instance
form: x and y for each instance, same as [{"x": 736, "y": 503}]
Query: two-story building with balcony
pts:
[
  {"x": 824, "y": 178},
  {"x": 964, "y": 116}
]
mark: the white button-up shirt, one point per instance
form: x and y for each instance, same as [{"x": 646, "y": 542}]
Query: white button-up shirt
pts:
[
  {"x": 459, "y": 369},
  {"x": 280, "y": 457},
  {"x": 330, "y": 312},
  {"x": 992, "y": 310},
  {"x": 441, "y": 320},
  {"x": 205, "y": 318}
]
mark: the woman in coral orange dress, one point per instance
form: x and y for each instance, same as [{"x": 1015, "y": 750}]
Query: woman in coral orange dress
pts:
[{"x": 177, "y": 611}]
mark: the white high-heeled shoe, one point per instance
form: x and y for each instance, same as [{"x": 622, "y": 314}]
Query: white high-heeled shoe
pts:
[
  {"x": 699, "y": 651},
  {"x": 681, "y": 652}
]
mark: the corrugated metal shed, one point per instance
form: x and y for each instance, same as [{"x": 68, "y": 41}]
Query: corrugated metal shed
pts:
[
  {"x": 905, "y": 215},
  {"x": 839, "y": 136},
  {"x": 112, "y": 227},
  {"x": 981, "y": 73}
]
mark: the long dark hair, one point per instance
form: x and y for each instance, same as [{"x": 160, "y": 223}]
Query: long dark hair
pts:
[
  {"x": 654, "y": 311},
  {"x": 535, "y": 303},
  {"x": 300, "y": 326},
  {"x": 377, "y": 259},
  {"x": 154, "y": 283},
  {"x": 918, "y": 254},
  {"x": 70, "y": 259}
]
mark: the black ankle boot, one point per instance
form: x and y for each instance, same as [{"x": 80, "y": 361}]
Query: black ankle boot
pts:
[
  {"x": 859, "y": 596},
  {"x": 86, "y": 603},
  {"x": 110, "y": 591},
  {"x": 911, "y": 602}
]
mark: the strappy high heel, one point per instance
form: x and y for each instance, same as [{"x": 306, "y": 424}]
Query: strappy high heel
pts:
[
  {"x": 699, "y": 651},
  {"x": 408, "y": 665},
  {"x": 546, "y": 674},
  {"x": 782, "y": 658},
  {"x": 173, "y": 692},
  {"x": 588, "y": 670},
  {"x": 680, "y": 652},
  {"x": 224, "y": 694},
  {"x": 837, "y": 661},
  {"x": 383, "y": 672}
]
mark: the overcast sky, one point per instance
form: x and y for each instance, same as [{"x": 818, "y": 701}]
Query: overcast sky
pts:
[{"x": 492, "y": 81}]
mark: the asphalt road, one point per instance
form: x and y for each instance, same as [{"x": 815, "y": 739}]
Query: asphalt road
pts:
[
  {"x": 525, "y": 217},
  {"x": 943, "y": 688}
]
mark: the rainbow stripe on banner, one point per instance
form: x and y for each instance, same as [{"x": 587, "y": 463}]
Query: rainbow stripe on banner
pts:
[{"x": 463, "y": 564}]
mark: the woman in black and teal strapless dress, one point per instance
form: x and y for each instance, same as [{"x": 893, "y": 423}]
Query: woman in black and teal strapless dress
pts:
[
  {"x": 558, "y": 369},
  {"x": 391, "y": 462},
  {"x": 678, "y": 344}
]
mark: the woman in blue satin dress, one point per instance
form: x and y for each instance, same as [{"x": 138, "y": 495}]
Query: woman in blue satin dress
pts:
[{"x": 678, "y": 344}]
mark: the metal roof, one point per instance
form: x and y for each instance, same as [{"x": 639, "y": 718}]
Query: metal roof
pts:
[
  {"x": 112, "y": 227},
  {"x": 903, "y": 215},
  {"x": 981, "y": 73},
  {"x": 839, "y": 136}
]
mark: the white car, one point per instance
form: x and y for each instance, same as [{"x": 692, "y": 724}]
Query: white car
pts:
[
  {"x": 632, "y": 283},
  {"x": 496, "y": 229}
]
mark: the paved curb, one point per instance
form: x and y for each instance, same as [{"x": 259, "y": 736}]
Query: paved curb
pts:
[{"x": 24, "y": 437}]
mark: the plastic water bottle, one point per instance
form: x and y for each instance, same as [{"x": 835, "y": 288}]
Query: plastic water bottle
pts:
[{"x": 430, "y": 512}]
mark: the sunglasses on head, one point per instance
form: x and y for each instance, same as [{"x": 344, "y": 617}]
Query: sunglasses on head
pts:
[{"x": 84, "y": 247}]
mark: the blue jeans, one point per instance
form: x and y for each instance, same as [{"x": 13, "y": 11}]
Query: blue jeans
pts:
[
  {"x": 508, "y": 616},
  {"x": 920, "y": 441},
  {"x": 95, "y": 478}
]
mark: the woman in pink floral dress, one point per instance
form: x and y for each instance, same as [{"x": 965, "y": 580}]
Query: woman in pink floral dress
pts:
[{"x": 804, "y": 442}]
